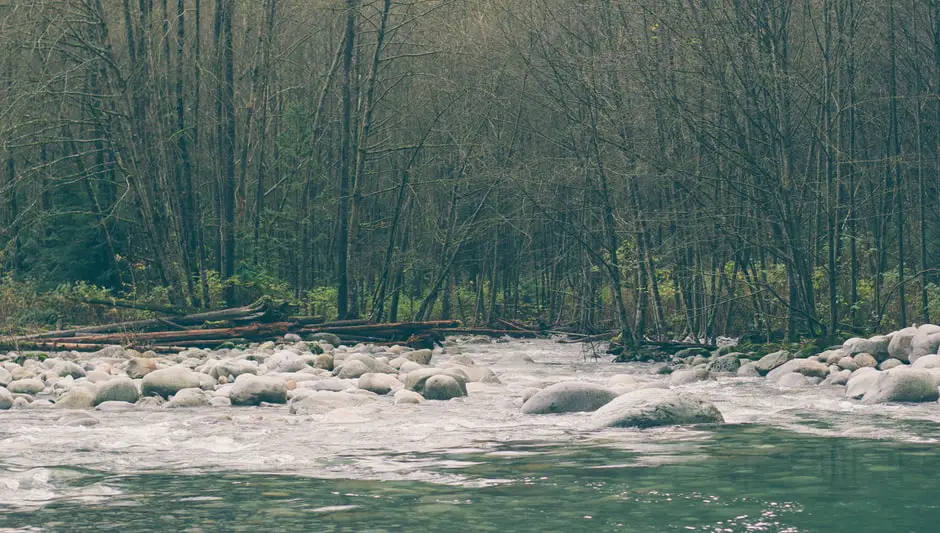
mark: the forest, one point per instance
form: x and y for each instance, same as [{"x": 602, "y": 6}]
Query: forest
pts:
[{"x": 669, "y": 169}]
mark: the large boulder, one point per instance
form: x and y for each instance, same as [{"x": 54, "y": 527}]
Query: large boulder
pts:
[
  {"x": 831, "y": 357},
  {"x": 860, "y": 382},
  {"x": 416, "y": 379},
  {"x": 324, "y": 361},
  {"x": 352, "y": 370},
  {"x": 252, "y": 390},
  {"x": 900, "y": 345},
  {"x": 6, "y": 399},
  {"x": 168, "y": 381},
  {"x": 925, "y": 342},
  {"x": 877, "y": 346},
  {"x": 888, "y": 364},
  {"x": 792, "y": 380},
  {"x": 837, "y": 378},
  {"x": 805, "y": 367},
  {"x": 77, "y": 398},
  {"x": 848, "y": 363},
  {"x": 26, "y": 386},
  {"x": 5, "y": 377},
  {"x": 379, "y": 383},
  {"x": 903, "y": 385},
  {"x": 568, "y": 397},
  {"x": 188, "y": 398},
  {"x": 772, "y": 361},
  {"x": 647, "y": 408},
  {"x": 442, "y": 387},
  {"x": 68, "y": 368},
  {"x": 117, "y": 390},
  {"x": 725, "y": 363}
]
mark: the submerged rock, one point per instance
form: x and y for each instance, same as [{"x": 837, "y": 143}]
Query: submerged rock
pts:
[
  {"x": 379, "y": 383},
  {"x": 6, "y": 399},
  {"x": 114, "y": 406},
  {"x": 405, "y": 397},
  {"x": 903, "y": 385},
  {"x": 804, "y": 367},
  {"x": 322, "y": 402},
  {"x": 686, "y": 377},
  {"x": 77, "y": 398},
  {"x": 793, "y": 380},
  {"x": 188, "y": 398},
  {"x": 837, "y": 378},
  {"x": 568, "y": 397},
  {"x": 859, "y": 383},
  {"x": 748, "y": 370},
  {"x": 26, "y": 386},
  {"x": 443, "y": 387},
  {"x": 648, "y": 408}
]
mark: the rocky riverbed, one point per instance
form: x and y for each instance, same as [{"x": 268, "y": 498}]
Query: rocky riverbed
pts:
[{"x": 286, "y": 407}]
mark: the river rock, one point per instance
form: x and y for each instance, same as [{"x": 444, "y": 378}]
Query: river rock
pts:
[
  {"x": 900, "y": 345},
  {"x": 292, "y": 338},
  {"x": 925, "y": 342},
  {"x": 149, "y": 402},
  {"x": 252, "y": 390},
  {"x": 324, "y": 361},
  {"x": 831, "y": 357},
  {"x": 115, "y": 406},
  {"x": 352, "y": 370},
  {"x": 804, "y": 367},
  {"x": 322, "y": 402},
  {"x": 860, "y": 382},
  {"x": 407, "y": 397},
  {"x": 647, "y": 408},
  {"x": 331, "y": 384},
  {"x": 416, "y": 380},
  {"x": 285, "y": 361},
  {"x": 793, "y": 380},
  {"x": 26, "y": 386},
  {"x": 328, "y": 338},
  {"x": 422, "y": 357},
  {"x": 140, "y": 367},
  {"x": 379, "y": 383},
  {"x": 863, "y": 360},
  {"x": 220, "y": 401},
  {"x": 927, "y": 361},
  {"x": 443, "y": 387},
  {"x": 232, "y": 368},
  {"x": 6, "y": 399},
  {"x": 529, "y": 392},
  {"x": 888, "y": 364},
  {"x": 188, "y": 398},
  {"x": 168, "y": 381},
  {"x": 748, "y": 370},
  {"x": 98, "y": 376},
  {"x": 5, "y": 377},
  {"x": 903, "y": 385},
  {"x": 686, "y": 377},
  {"x": 837, "y": 378},
  {"x": 77, "y": 398},
  {"x": 848, "y": 363},
  {"x": 117, "y": 390},
  {"x": 772, "y": 361},
  {"x": 68, "y": 368},
  {"x": 568, "y": 397},
  {"x": 725, "y": 363},
  {"x": 877, "y": 346}
]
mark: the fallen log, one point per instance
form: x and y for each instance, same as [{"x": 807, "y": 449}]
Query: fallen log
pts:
[
  {"x": 52, "y": 346},
  {"x": 515, "y": 333},
  {"x": 252, "y": 331},
  {"x": 140, "y": 306},
  {"x": 370, "y": 329}
]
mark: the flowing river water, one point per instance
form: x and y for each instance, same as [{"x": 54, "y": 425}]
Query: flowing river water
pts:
[{"x": 793, "y": 460}]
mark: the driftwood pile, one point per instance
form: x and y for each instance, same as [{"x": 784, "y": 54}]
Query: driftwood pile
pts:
[{"x": 262, "y": 321}]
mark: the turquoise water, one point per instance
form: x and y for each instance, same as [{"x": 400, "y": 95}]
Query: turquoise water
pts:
[{"x": 737, "y": 478}]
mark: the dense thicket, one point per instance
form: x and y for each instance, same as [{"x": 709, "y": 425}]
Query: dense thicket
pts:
[{"x": 668, "y": 167}]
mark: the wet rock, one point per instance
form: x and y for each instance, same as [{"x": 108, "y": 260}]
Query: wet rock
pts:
[
  {"x": 691, "y": 352},
  {"x": 332, "y": 384},
  {"x": 20, "y": 373},
  {"x": 748, "y": 370},
  {"x": 233, "y": 368},
  {"x": 568, "y": 397},
  {"x": 848, "y": 363},
  {"x": 528, "y": 393},
  {"x": 443, "y": 387},
  {"x": 68, "y": 368},
  {"x": 352, "y": 370},
  {"x": 725, "y": 363},
  {"x": 26, "y": 386},
  {"x": 925, "y": 342},
  {"x": 149, "y": 402},
  {"x": 464, "y": 360},
  {"x": 860, "y": 382},
  {"x": 187, "y": 398},
  {"x": 379, "y": 383},
  {"x": 686, "y": 377},
  {"x": 877, "y": 345},
  {"x": 804, "y": 367},
  {"x": 416, "y": 380},
  {"x": 206, "y": 382},
  {"x": 407, "y": 397},
  {"x": 252, "y": 390},
  {"x": 77, "y": 419},
  {"x": 838, "y": 378},
  {"x": 772, "y": 361},
  {"x": 98, "y": 376},
  {"x": 648, "y": 408},
  {"x": 793, "y": 380},
  {"x": 831, "y": 357},
  {"x": 115, "y": 406},
  {"x": 903, "y": 385},
  {"x": 5, "y": 377},
  {"x": 220, "y": 401},
  {"x": 77, "y": 398},
  {"x": 322, "y": 402},
  {"x": 409, "y": 366},
  {"x": 888, "y": 364},
  {"x": 140, "y": 367},
  {"x": 863, "y": 360},
  {"x": 168, "y": 381},
  {"x": 900, "y": 345},
  {"x": 927, "y": 361},
  {"x": 117, "y": 390},
  {"x": 6, "y": 399}
]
